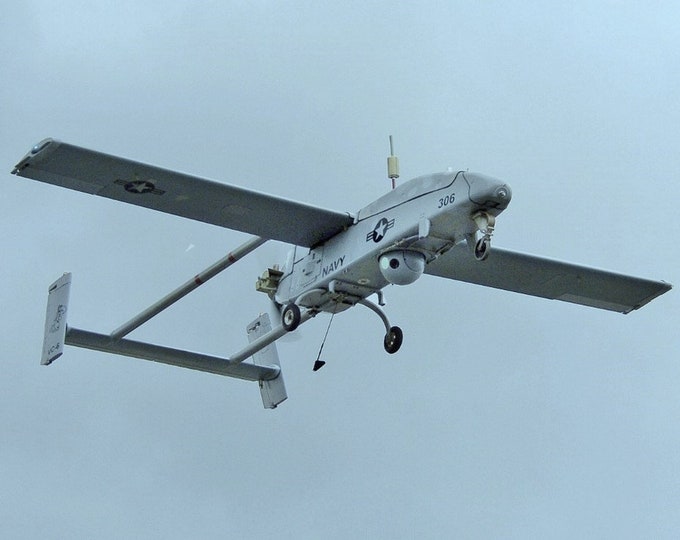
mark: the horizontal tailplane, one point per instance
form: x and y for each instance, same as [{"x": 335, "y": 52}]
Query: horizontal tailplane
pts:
[{"x": 265, "y": 369}]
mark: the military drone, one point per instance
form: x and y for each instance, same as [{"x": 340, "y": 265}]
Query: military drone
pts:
[{"x": 438, "y": 224}]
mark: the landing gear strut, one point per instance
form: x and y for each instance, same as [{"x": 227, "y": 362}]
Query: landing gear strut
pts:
[{"x": 394, "y": 336}]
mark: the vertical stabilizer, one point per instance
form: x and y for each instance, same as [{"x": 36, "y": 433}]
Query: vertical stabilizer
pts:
[
  {"x": 273, "y": 391},
  {"x": 55, "y": 319}
]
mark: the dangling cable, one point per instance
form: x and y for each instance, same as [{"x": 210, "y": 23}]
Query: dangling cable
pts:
[{"x": 318, "y": 364}]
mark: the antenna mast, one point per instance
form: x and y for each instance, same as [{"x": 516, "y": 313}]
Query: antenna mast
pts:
[{"x": 392, "y": 165}]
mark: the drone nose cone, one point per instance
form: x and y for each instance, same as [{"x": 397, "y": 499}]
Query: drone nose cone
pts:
[{"x": 488, "y": 192}]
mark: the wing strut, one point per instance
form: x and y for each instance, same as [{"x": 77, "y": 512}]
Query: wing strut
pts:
[{"x": 183, "y": 290}]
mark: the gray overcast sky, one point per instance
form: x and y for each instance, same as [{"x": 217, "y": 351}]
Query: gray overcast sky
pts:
[{"x": 503, "y": 416}]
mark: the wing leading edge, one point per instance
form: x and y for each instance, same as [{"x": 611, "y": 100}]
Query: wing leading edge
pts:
[
  {"x": 547, "y": 278},
  {"x": 233, "y": 207}
]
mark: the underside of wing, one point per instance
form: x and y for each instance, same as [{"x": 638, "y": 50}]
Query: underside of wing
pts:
[
  {"x": 547, "y": 278},
  {"x": 176, "y": 193}
]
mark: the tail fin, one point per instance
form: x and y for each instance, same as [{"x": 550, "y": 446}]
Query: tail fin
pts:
[
  {"x": 273, "y": 391},
  {"x": 55, "y": 320}
]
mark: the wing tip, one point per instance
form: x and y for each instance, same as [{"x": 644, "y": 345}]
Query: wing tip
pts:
[
  {"x": 662, "y": 288},
  {"x": 36, "y": 149}
]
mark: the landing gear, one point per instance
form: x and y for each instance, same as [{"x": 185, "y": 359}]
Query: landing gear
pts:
[
  {"x": 394, "y": 336},
  {"x": 393, "y": 339},
  {"x": 482, "y": 247},
  {"x": 290, "y": 317},
  {"x": 485, "y": 223}
]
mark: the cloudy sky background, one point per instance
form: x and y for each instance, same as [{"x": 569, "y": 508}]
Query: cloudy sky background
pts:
[{"x": 501, "y": 416}]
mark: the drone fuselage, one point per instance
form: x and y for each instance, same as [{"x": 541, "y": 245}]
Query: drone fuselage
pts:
[{"x": 422, "y": 219}]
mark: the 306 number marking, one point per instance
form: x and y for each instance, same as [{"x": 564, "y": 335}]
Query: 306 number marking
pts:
[{"x": 445, "y": 201}]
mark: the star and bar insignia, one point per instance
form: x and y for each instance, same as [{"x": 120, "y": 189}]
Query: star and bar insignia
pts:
[{"x": 380, "y": 229}]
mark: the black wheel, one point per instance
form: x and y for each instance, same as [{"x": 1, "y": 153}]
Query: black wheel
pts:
[
  {"x": 482, "y": 248},
  {"x": 290, "y": 318},
  {"x": 393, "y": 339}
]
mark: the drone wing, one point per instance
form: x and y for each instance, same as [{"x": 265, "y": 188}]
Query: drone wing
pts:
[
  {"x": 548, "y": 278},
  {"x": 176, "y": 193}
]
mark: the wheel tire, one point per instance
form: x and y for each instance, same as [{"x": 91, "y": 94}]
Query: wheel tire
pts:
[
  {"x": 393, "y": 339},
  {"x": 482, "y": 248},
  {"x": 290, "y": 317}
]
